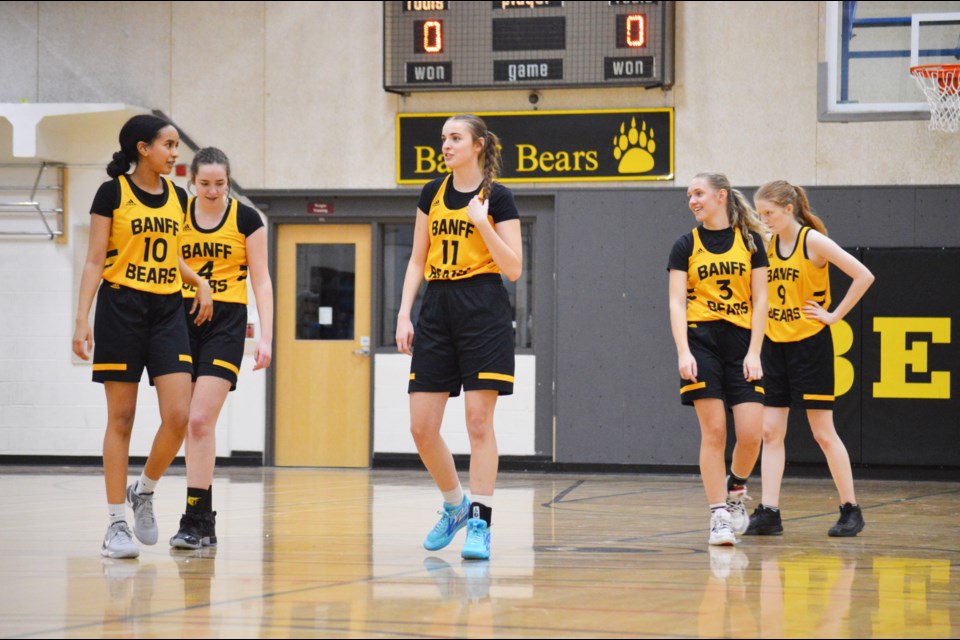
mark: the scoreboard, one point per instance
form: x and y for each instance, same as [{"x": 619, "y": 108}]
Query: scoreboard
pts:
[{"x": 457, "y": 45}]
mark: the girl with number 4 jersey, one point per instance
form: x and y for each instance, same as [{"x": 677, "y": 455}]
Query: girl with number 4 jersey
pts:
[{"x": 224, "y": 241}]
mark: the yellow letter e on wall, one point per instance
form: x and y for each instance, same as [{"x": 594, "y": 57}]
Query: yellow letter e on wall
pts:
[{"x": 896, "y": 355}]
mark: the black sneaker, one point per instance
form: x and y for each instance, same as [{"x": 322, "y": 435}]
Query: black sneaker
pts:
[
  {"x": 764, "y": 522},
  {"x": 208, "y": 529},
  {"x": 188, "y": 537},
  {"x": 850, "y": 522},
  {"x": 196, "y": 530}
]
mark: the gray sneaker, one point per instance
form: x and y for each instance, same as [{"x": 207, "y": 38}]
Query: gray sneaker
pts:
[
  {"x": 118, "y": 543},
  {"x": 144, "y": 522}
]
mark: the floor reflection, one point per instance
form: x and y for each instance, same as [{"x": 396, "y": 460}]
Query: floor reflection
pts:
[{"x": 321, "y": 552}]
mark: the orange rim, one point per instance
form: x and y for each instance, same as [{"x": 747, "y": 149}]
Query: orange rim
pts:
[{"x": 946, "y": 75}]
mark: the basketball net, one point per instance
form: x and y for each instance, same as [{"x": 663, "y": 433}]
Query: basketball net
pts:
[{"x": 940, "y": 84}]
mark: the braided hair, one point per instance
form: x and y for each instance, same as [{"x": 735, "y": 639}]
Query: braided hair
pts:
[{"x": 490, "y": 161}]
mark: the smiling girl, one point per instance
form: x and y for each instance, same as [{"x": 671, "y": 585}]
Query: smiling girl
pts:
[
  {"x": 467, "y": 234},
  {"x": 135, "y": 225},
  {"x": 224, "y": 241},
  {"x": 718, "y": 311}
]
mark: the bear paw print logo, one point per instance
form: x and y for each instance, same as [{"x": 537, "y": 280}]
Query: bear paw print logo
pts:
[{"x": 634, "y": 148}]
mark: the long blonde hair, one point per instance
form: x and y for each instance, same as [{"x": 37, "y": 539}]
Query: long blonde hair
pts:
[
  {"x": 739, "y": 212},
  {"x": 782, "y": 193},
  {"x": 490, "y": 161}
]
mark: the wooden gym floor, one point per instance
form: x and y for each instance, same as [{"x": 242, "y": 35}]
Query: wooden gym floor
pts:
[{"x": 307, "y": 553}]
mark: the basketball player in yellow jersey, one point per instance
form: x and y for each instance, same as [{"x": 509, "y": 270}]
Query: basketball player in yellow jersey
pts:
[
  {"x": 223, "y": 241},
  {"x": 467, "y": 233},
  {"x": 718, "y": 310},
  {"x": 135, "y": 225},
  {"x": 798, "y": 349}
]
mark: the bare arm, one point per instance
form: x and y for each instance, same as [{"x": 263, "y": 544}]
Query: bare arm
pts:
[
  {"x": 686, "y": 363},
  {"x": 752, "y": 370},
  {"x": 411, "y": 283},
  {"x": 203, "y": 301},
  {"x": 263, "y": 292},
  {"x": 503, "y": 241},
  {"x": 823, "y": 250},
  {"x": 89, "y": 281}
]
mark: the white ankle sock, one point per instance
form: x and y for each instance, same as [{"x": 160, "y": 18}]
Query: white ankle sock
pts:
[
  {"x": 117, "y": 512},
  {"x": 453, "y": 497},
  {"x": 146, "y": 485}
]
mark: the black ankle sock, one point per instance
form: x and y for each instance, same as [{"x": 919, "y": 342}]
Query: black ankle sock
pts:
[
  {"x": 482, "y": 511},
  {"x": 198, "y": 500},
  {"x": 735, "y": 481}
]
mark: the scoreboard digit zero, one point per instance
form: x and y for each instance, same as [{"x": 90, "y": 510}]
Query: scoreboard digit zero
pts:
[{"x": 455, "y": 45}]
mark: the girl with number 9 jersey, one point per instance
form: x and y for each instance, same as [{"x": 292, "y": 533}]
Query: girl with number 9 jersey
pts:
[{"x": 797, "y": 354}]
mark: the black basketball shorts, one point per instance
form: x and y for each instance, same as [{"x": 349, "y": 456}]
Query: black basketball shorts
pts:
[
  {"x": 800, "y": 373},
  {"x": 217, "y": 345},
  {"x": 719, "y": 348},
  {"x": 464, "y": 337},
  {"x": 136, "y": 329}
]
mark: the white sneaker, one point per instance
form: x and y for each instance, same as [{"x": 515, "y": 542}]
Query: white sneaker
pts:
[
  {"x": 144, "y": 522},
  {"x": 721, "y": 532},
  {"x": 739, "y": 520},
  {"x": 118, "y": 543}
]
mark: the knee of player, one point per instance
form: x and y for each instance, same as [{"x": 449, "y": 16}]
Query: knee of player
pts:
[
  {"x": 773, "y": 436},
  {"x": 121, "y": 423},
  {"x": 423, "y": 431},
  {"x": 479, "y": 424},
  {"x": 202, "y": 425}
]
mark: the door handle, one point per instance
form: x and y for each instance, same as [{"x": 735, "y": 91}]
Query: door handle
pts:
[{"x": 364, "y": 349}]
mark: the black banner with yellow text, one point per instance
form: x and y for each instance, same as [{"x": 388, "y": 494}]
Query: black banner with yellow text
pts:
[{"x": 551, "y": 146}]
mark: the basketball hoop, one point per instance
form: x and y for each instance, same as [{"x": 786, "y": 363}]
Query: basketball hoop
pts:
[{"x": 940, "y": 83}]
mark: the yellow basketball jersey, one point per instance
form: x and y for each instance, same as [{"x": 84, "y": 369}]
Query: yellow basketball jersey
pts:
[
  {"x": 219, "y": 255},
  {"x": 791, "y": 281},
  {"x": 457, "y": 249},
  {"x": 142, "y": 250},
  {"x": 718, "y": 284}
]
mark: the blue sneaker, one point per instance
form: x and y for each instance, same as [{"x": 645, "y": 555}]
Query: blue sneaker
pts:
[
  {"x": 477, "y": 546},
  {"x": 452, "y": 519}
]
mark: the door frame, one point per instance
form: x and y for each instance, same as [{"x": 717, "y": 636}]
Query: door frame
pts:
[
  {"x": 269, "y": 442},
  {"x": 376, "y": 207}
]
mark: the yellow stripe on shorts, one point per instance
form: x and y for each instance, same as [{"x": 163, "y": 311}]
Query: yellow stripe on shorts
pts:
[
  {"x": 226, "y": 365},
  {"x": 185, "y": 358},
  {"x": 760, "y": 390},
  {"x": 694, "y": 386},
  {"x": 813, "y": 396},
  {"x": 413, "y": 376},
  {"x": 502, "y": 377},
  {"x": 121, "y": 366}
]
